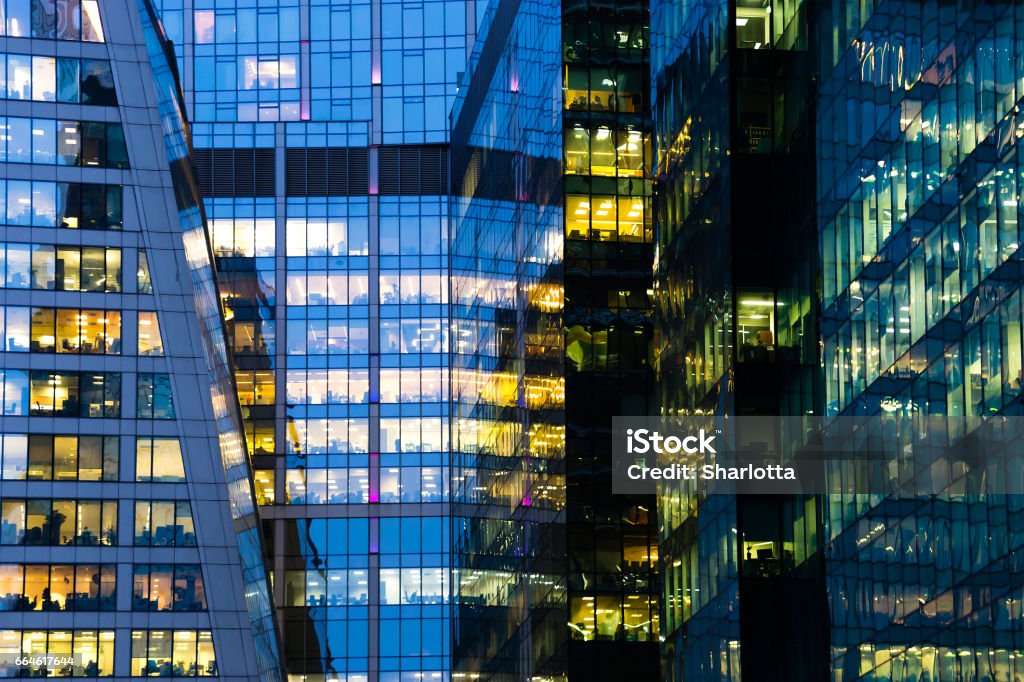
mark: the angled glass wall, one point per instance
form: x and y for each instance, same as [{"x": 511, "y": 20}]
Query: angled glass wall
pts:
[
  {"x": 919, "y": 208},
  {"x": 508, "y": 388},
  {"x": 125, "y": 492}
]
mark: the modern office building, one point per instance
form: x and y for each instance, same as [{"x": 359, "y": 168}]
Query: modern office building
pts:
[
  {"x": 320, "y": 131},
  {"x": 904, "y": 161},
  {"x": 613, "y": 587},
  {"x": 837, "y": 199},
  {"x": 130, "y": 545},
  {"x": 551, "y": 278},
  {"x": 918, "y": 197},
  {"x": 508, "y": 384},
  {"x": 736, "y": 308}
]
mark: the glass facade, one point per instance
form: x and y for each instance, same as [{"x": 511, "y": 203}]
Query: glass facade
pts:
[
  {"x": 551, "y": 293},
  {"x": 363, "y": 377},
  {"x": 124, "y": 490},
  {"x": 918, "y": 210},
  {"x": 608, "y": 335},
  {"x": 737, "y": 306},
  {"x": 508, "y": 385},
  {"x": 908, "y": 142},
  {"x": 321, "y": 133}
]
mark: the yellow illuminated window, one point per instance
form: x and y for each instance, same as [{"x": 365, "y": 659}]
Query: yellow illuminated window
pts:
[
  {"x": 69, "y": 337},
  {"x": 177, "y": 653},
  {"x": 264, "y": 479},
  {"x": 37, "y": 582},
  {"x": 150, "y": 340},
  {"x": 609, "y": 618},
  {"x": 10, "y": 644},
  {"x": 577, "y": 217},
  {"x": 65, "y": 461},
  {"x": 582, "y": 620},
  {"x": 631, "y": 220},
  {"x": 602, "y": 152},
  {"x": 164, "y": 524},
  {"x": 112, "y": 270},
  {"x": 577, "y": 151},
  {"x": 259, "y": 436},
  {"x": 255, "y": 388},
  {"x": 40, "y": 459},
  {"x": 62, "y": 585},
  {"x": 43, "y": 340},
  {"x": 577, "y": 92},
  {"x": 34, "y": 642},
  {"x": 603, "y": 221},
  {"x": 96, "y": 332},
  {"x": 158, "y": 459},
  {"x": 638, "y": 621},
  {"x": 752, "y": 25},
  {"x": 69, "y": 260},
  {"x": 755, "y": 317},
  {"x": 629, "y": 145}
]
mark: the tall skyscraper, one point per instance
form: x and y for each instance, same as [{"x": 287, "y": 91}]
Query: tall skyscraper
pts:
[
  {"x": 129, "y": 533},
  {"x": 918, "y": 196},
  {"x": 507, "y": 353},
  {"x": 551, "y": 272},
  {"x": 320, "y": 131},
  {"x": 913, "y": 198},
  {"x": 607, "y": 278},
  {"x": 737, "y": 311}
]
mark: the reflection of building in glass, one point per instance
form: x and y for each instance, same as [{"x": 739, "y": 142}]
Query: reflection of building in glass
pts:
[
  {"x": 125, "y": 493},
  {"x": 914, "y": 203},
  {"x": 737, "y": 307},
  {"x": 551, "y": 285},
  {"x": 508, "y": 389},
  {"x": 321, "y": 134},
  {"x": 918, "y": 210}
]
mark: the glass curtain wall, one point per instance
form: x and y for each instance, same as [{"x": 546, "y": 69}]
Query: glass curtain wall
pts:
[
  {"x": 508, "y": 388},
  {"x": 123, "y": 470},
  {"x": 612, "y": 544},
  {"x": 736, "y": 300},
  {"x": 321, "y": 131},
  {"x": 919, "y": 207}
]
